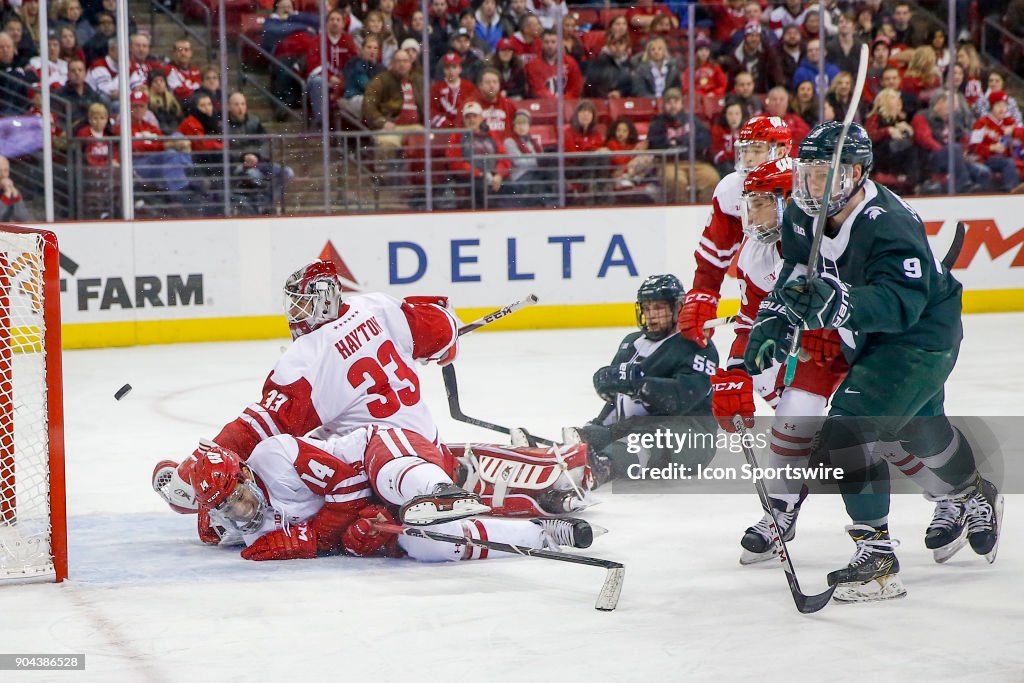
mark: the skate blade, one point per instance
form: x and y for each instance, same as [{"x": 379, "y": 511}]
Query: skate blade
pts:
[
  {"x": 427, "y": 512},
  {"x": 950, "y": 549},
  {"x": 887, "y": 587},
  {"x": 749, "y": 557},
  {"x": 991, "y": 555}
]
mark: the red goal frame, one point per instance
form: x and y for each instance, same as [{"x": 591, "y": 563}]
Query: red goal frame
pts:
[{"x": 50, "y": 297}]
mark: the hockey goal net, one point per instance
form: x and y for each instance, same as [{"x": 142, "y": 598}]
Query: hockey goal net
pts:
[{"x": 33, "y": 529}]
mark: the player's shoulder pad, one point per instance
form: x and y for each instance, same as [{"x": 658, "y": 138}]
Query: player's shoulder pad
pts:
[{"x": 728, "y": 193}]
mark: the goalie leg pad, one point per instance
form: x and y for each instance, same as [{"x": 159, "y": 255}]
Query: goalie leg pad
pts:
[{"x": 527, "y": 482}]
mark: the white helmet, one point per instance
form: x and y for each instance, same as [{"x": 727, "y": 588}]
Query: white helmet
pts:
[{"x": 312, "y": 297}]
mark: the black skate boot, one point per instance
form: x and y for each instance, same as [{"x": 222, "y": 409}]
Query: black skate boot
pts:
[
  {"x": 757, "y": 540},
  {"x": 570, "y": 531},
  {"x": 984, "y": 512},
  {"x": 873, "y": 572},
  {"x": 947, "y": 533},
  {"x": 445, "y": 503}
]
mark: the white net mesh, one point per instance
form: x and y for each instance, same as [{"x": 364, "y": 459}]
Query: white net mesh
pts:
[{"x": 25, "y": 533}]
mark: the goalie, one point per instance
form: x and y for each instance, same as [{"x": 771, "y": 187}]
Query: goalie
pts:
[
  {"x": 296, "y": 498},
  {"x": 656, "y": 380},
  {"x": 353, "y": 364}
]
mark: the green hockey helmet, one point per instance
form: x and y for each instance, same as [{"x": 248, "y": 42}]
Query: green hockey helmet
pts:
[
  {"x": 666, "y": 288},
  {"x": 810, "y": 172}
]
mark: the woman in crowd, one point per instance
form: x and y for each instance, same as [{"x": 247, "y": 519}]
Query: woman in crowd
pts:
[
  {"x": 892, "y": 137},
  {"x": 656, "y": 72},
  {"x": 507, "y": 63},
  {"x": 724, "y": 130},
  {"x": 996, "y": 83},
  {"x": 839, "y": 93},
  {"x": 163, "y": 104},
  {"x": 805, "y": 104},
  {"x": 374, "y": 24},
  {"x": 68, "y": 41},
  {"x": 528, "y": 181},
  {"x": 70, "y": 13},
  {"x": 967, "y": 57},
  {"x": 922, "y": 78}
]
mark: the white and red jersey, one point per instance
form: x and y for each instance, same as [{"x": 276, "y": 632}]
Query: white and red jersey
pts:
[
  {"x": 356, "y": 371},
  {"x": 722, "y": 234},
  {"x": 446, "y": 101},
  {"x": 987, "y": 132},
  {"x": 758, "y": 267},
  {"x": 339, "y": 51},
  {"x": 102, "y": 77},
  {"x": 300, "y": 475},
  {"x": 183, "y": 80},
  {"x": 498, "y": 114}
]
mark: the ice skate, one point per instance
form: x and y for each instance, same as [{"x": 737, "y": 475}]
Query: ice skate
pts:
[
  {"x": 569, "y": 531},
  {"x": 559, "y": 502},
  {"x": 757, "y": 541},
  {"x": 445, "y": 503},
  {"x": 984, "y": 514},
  {"x": 947, "y": 533},
  {"x": 873, "y": 572}
]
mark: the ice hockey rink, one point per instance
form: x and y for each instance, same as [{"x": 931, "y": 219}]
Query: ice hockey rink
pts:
[{"x": 147, "y": 602}]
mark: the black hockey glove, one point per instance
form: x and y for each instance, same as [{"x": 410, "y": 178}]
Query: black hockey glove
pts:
[
  {"x": 770, "y": 336},
  {"x": 823, "y": 302},
  {"x": 624, "y": 378}
]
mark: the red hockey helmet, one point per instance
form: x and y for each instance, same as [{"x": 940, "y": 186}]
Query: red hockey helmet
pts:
[
  {"x": 765, "y": 191},
  {"x": 225, "y": 487},
  {"x": 312, "y": 297},
  {"x": 762, "y": 138}
]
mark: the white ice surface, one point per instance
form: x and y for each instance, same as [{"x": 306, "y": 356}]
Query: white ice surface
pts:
[{"x": 147, "y": 602}]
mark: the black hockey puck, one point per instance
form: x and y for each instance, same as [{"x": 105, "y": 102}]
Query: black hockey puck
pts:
[{"x": 122, "y": 392}]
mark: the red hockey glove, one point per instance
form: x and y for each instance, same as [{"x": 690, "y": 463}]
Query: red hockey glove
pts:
[
  {"x": 361, "y": 538},
  {"x": 699, "y": 306},
  {"x": 297, "y": 543},
  {"x": 208, "y": 533},
  {"x": 823, "y": 346},
  {"x": 733, "y": 394}
]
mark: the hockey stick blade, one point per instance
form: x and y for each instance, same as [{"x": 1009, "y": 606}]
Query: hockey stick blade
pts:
[
  {"x": 451, "y": 388},
  {"x": 953, "y": 253},
  {"x": 498, "y": 314},
  {"x": 805, "y": 604},
  {"x": 607, "y": 599}
]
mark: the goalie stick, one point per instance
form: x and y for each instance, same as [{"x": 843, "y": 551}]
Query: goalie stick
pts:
[
  {"x": 826, "y": 196},
  {"x": 451, "y": 388},
  {"x": 607, "y": 598},
  {"x": 806, "y": 604},
  {"x": 498, "y": 314}
]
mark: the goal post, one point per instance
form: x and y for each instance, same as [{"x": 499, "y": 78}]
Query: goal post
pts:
[{"x": 33, "y": 516}]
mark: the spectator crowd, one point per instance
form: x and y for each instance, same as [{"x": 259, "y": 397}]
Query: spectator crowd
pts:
[{"x": 497, "y": 70}]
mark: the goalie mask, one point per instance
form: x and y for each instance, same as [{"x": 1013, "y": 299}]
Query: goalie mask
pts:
[
  {"x": 657, "y": 305},
  {"x": 765, "y": 191},
  {"x": 812, "y": 167},
  {"x": 312, "y": 297},
  {"x": 226, "y": 487},
  {"x": 761, "y": 139}
]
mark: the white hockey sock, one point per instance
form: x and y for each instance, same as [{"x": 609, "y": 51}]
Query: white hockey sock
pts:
[
  {"x": 515, "y": 531},
  {"x": 402, "y": 479}
]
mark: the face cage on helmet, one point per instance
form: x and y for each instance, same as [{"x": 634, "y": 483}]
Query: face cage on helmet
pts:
[
  {"x": 740, "y": 164},
  {"x": 843, "y": 187},
  {"x": 759, "y": 232},
  {"x": 641, "y": 319},
  {"x": 221, "y": 514},
  {"x": 313, "y": 309}
]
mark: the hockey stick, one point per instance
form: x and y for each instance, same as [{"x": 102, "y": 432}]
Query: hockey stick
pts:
[
  {"x": 451, "y": 388},
  {"x": 822, "y": 219},
  {"x": 953, "y": 253},
  {"x": 805, "y": 604},
  {"x": 607, "y": 599},
  {"x": 498, "y": 314},
  {"x": 718, "y": 322}
]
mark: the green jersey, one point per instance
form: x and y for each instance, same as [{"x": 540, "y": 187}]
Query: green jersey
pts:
[
  {"x": 677, "y": 376},
  {"x": 899, "y": 292}
]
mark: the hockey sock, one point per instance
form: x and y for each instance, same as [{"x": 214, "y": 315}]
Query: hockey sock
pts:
[
  {"x": 791, "y": 442},
  {"x": 938, "y": 456},
  {"x": 402, "y": 479},
  {"x": 515, "y": 531}
]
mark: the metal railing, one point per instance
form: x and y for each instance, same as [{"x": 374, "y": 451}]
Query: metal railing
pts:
[
  {"x": 285, "y": 70},
  {"x": 993, "y": 24},
  {"x": 157, "y": 7}
]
